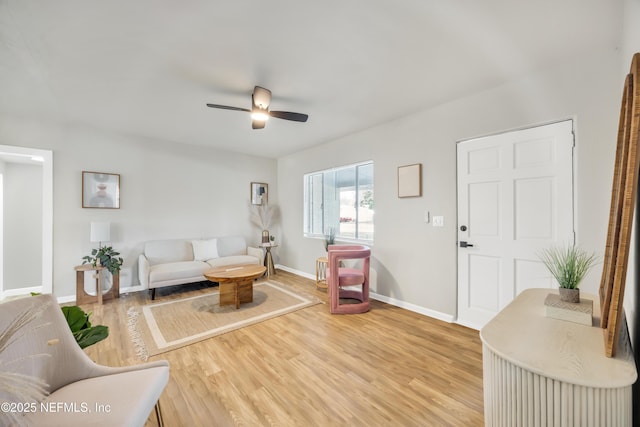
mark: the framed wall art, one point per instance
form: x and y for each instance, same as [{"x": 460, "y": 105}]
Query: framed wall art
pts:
[
  {"x": 410, "y": 180},
  {"x": 259, "y": 193},
  {"x": 100, "y": 190}
]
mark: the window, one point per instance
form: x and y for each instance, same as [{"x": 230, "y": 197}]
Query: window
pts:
[{"x": 340, "y": 199}]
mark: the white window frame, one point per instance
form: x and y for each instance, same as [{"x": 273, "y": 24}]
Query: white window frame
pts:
[{"x": 307, "y": 222}]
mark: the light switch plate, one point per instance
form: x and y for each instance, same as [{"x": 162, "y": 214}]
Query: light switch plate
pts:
[{"x": 438, "y": 221}]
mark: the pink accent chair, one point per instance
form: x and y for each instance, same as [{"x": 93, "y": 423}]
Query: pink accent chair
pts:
[{"x": 339, "y": 277}]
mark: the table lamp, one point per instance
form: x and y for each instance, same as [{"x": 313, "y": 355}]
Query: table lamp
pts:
[{"x": 100, "y": 232}]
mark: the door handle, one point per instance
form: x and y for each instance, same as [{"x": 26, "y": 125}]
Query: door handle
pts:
[{"x": 464, "y": 244}]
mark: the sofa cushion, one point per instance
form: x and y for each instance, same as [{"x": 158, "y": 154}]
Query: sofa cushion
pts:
[
  {"x": 177, "y": 270},
  {"x": 233, "y": 259},
  {"x": 163, "y": 251},
  {"x": 205, "y": 249},
  {"x": 231, "y": 245}
]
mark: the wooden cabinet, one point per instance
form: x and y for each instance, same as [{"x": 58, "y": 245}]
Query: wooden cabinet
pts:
[{"x": 540, "y": 371}]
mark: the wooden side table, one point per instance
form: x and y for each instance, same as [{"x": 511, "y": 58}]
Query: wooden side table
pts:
[
  {"x": 268, "y": 258},
  {"x": 321, "y": 272},
  {"x": 82, "y": 297}
]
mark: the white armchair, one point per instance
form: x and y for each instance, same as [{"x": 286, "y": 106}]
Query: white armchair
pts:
[{"x": 80, "y": 392}]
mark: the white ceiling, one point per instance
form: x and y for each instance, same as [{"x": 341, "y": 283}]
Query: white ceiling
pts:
[{"x": 147, "y": 68}]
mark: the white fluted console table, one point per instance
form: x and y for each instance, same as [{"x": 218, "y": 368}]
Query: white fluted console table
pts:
[{"x": 540, "y": 371}]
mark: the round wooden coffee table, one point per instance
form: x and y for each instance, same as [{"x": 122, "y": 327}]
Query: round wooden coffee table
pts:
[{"x": 236, "y": 282}]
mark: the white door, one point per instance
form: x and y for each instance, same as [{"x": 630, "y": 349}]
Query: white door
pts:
[{"x": 515, "y": 198}]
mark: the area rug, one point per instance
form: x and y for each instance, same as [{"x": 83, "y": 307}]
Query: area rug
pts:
[{"x": 163, "y": 326}]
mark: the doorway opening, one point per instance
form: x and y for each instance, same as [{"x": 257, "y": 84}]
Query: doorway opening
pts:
[{"x": 26, "y": 226}]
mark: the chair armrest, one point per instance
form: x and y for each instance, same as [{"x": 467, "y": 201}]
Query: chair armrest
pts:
[
  {"x": 143, "y": 270},
  {"x": 256, "y": 252},
  {"x": 127, "y": 397},
  {"x": 101, "y": 370}
]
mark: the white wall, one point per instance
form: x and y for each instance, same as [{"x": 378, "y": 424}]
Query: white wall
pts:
[
  {"x": 415, "y": 262},
  {"x": 168, "y": 190},
  {"x": 22, "y": 243}
]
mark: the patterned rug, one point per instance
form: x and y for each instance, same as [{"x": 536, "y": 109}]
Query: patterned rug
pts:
[{"x": 163, "y": 326}]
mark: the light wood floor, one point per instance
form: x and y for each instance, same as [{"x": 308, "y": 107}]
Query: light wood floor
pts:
[{"x": 388, "y": 367}]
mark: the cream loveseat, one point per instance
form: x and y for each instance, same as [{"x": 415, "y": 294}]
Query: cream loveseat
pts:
[{"x": 176, "y": 262}]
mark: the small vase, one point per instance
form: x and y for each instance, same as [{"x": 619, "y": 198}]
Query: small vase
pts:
[{"x": 569, "y": 295}]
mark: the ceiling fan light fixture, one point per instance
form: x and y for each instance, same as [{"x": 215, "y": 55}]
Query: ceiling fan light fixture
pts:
[{"x": 260, "y": 115}]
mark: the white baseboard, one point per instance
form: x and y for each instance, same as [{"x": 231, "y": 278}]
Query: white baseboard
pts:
[
  {"x": 20, "y": 292},
  {"x": 66, "y": 299},
  {"x": 72, "y": 298},
  {"x": 468, "y": 325},
  {"x": 296, "y": 272},
  {"x": 135, "y": 288},
  {"x": 412, "y": 307},
  {"x": 395, "y": 302},
  {"x": 27, "y": 292}
]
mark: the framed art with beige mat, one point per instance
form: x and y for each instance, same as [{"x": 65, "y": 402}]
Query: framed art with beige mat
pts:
[{"x": 160, "y": 327}]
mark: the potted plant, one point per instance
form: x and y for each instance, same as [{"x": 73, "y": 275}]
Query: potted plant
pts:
[
  {"x": 569, "y": 266},
  {"x": 106, "y": 257},
  {"x": 84, "y": 333},
  {"x": 81, "y": 328},
  {"x": 329, "y": 238}
]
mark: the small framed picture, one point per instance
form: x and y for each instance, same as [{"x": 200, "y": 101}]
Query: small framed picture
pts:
[
  {"x": 100, "y": 190},
  {"x": 410, "y": 180},
  {"x": 259, "y": 193}
]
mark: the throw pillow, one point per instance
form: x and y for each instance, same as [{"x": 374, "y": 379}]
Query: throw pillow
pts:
[{"x": 204, "y": 250}]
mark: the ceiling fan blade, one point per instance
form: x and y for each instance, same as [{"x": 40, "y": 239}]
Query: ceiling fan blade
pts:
[
  {"x": 261, "y": 97},
  {"x": 226, "y": 107},
  {"x": 258, "y": 124},
  {"x": 287, "y": 115}
]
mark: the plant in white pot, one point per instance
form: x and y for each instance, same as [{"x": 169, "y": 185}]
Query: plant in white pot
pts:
[{"x": 568, "y": 265}]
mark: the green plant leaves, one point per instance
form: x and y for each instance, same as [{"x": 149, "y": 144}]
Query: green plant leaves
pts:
[
  {"x": 109, "y": 258},
  {"x": 91, "y": 335},
  {"x": 76, "y": 318},
  {"x": 84, "y": 334},
  {"x": 568, "y": 265},
  {"x": 330, "y": 238}
]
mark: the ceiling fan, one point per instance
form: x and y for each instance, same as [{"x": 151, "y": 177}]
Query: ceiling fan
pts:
[{"x": 260, "y": 113}]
